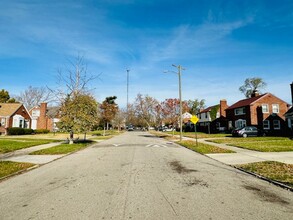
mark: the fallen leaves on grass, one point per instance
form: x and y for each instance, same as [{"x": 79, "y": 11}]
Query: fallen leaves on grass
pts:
[
  {"x": 271, "y": 169},
  {"x": 8, "y": 167},
  {"x": 203, "y": 148}
]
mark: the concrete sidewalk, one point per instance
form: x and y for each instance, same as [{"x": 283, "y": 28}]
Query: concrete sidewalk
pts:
[
  {"x": 243, "y": 156},
  {"x": 22, "y": 155}
]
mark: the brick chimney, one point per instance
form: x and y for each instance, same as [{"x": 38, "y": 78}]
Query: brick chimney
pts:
[
  {"x": 254, "y": 93},
  {"x": 42, "y": 120},
  {"x": 43, "y": 109},
  {"x": 223, "y": 106}
]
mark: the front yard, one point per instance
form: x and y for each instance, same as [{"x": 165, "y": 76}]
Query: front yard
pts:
[
  {"x": 62, "y": 149},
  {"x": 7, "y": 167},
  {"x": 199, "y": 134},
  {"x": 203, "y": 148},
  {"x": 263, "y": 144},
  {"x": 13, "y": 144},
  {"x": 273, "y": 170}
]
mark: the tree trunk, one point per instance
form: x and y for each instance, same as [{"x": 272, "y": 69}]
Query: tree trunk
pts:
[
  {"x": 71, "y": 137},
  {"x": 84, "y": 137},
  {"x": 104, "y": 130}
]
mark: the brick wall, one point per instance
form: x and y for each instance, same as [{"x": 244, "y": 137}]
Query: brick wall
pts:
[{"x": 268, "y": 99}]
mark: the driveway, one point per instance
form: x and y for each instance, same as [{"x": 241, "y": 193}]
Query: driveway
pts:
[{"x": 139, "y": 176}]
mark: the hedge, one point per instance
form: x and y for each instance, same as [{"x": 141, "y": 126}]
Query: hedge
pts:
[
  {"x": 42, "y": 131},
  {"x": 19, "y": 131}
]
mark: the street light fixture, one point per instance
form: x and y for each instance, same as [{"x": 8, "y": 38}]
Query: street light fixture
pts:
[{"x": 180, "y": 68}]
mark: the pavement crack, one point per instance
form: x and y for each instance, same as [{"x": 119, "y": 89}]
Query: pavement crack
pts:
[
  {"x": 128, "y": 185},
  {"x": 172, "y": 207}
]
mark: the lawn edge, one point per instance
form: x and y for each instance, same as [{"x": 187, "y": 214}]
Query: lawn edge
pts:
[
  {"x": 275, "y": 182},
  {"x": 19, "y": 172},
  {"x": 39, "y": 165}
]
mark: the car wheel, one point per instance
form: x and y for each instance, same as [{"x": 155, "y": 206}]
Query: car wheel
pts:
[{"x": 244, "y": 135}]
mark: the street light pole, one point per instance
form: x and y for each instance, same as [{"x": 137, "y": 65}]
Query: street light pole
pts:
[
  {"x": 179, "y": 67},
  {"x": 127, "y": 95}
]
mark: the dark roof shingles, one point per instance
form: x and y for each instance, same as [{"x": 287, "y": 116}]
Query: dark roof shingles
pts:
[{"x": 245, "y": 102}]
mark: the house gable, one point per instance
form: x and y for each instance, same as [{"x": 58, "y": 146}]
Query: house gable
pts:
[{"x": 13, "y": 115}]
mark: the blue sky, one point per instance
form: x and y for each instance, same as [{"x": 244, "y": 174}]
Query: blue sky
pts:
[{"x": 220, "y": 43}]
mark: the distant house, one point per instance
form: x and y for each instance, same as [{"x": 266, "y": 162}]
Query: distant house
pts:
[
  {"x": 44, "y": 117},
  {"x": 13, "y": 115},
  {"x": 186, "y": 117},
  {"x": 213, "y": 119},
  {"x": 263, "y": 111}
]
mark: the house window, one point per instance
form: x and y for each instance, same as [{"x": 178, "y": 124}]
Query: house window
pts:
[
  {"x": 206, "y": 115},
  {"x": 277, "y": 125},
  {"x": 275, "y": 108},
  {"x": 36, "y": 113},
  {"x": 3, "y": 122},
  {"x": 239, "y": 111},
  {"x": 240, "y": 123},
  {"x": 21, "y": 123},
  {"x": 265, "y": 108},
  {"x": 26, "y": 123},
  {"x": 266, "y": 124}
]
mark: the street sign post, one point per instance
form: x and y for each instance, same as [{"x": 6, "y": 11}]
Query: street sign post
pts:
[{"x": 194, "y": 120}]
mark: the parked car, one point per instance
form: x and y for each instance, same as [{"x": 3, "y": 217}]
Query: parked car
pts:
[
  {"x": 161, "y": 128},
  {"x": 246, "y": 131},
  {"x": 130, "y": 128}
]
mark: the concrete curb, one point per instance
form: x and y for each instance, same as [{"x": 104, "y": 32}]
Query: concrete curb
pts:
[
  {"x": 266, "y": 179},
  {"x": 19, "y": 172},
  {"x": 282, "y": 185}
]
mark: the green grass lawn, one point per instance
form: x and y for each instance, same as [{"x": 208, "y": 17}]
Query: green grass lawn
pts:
[
  {"x": 203, "y": 148},
  {"x": 199, "y": 134},
  {"x": 273, "y": 170},
  {"x": 263, "y": 144},
  {"x": 8, "y": 167},
  {"x": 62, "y": 149},
  {"x": 11, "y": 144}
]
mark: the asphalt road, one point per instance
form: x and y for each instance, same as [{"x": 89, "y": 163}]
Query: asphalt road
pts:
[{"x": 139, "y": 176}]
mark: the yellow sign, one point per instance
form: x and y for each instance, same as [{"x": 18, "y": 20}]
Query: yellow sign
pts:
[{"x": 194, "y": 119}]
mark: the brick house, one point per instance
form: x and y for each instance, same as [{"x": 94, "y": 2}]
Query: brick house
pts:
[
  {"x": 213, "y": 119},
  {"x": 13, "y": 115},
  {"x": 289, "y": 114},
  {"x": 44, "y": 117},
  {"x": 263, "y": 111}
]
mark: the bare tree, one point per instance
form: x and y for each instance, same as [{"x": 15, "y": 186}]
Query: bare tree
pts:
[
  {"x": 74, "y": 80},
  {"x": 73, "y": 92},
  {"x": 119, "y": 119},
  {"x": 145, "y": 109},
  {"x": 33, "y": 96}
]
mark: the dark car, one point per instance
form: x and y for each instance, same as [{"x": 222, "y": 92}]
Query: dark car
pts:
[
  {"x": 130, "y": 128},
  {"x": 246, "y": 131}
]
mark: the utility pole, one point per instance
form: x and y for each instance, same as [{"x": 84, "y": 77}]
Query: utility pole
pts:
[
  {"x": 180, "y": 68},
  {"x": 127, "y": 95}
]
